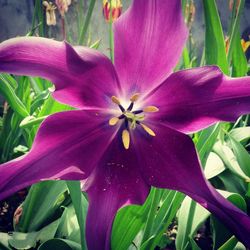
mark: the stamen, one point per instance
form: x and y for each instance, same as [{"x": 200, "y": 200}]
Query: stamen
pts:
[
  {"x": 151, "y": 109},
  {"x": 134, "y": 97},
  {"x": 148, "y": 130},
  {"x": 115, "y": 100},
  {"x": 125, "y": 138},
  {"x": 113, "y": 121}
]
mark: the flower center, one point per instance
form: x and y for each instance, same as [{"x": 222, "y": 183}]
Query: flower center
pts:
[{"x": 131, "y": 118}]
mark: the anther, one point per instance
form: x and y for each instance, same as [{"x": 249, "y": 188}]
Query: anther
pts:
[
  {"x": 134, "y": 97},
  {"x": 150, "y": 109},
  {"x": 125, "y": 138},
  {"x": 148, "y": 130},
  {"x": 115, "y": 100},
  {"x": 113, "y": 121},
  {"x": 137, "y": 112},
  {"x": 130, "y": 107}
]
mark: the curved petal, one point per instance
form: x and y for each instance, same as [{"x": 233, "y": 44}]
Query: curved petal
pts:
[
  {"x": 82, "y": 76},
  {"x": 193, "y": 99},
  {"x": 116, "y": 182},
  {"x": 169, "y": 160},
  {"x": 68, "y": 146},
  {"x": 149, "y": 39}
]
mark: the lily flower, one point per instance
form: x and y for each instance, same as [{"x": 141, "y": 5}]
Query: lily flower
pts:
[{"x": 129, "y": 129}]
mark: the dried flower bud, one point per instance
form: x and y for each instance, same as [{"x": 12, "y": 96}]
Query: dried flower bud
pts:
[
  {"x": 63, "y": 6},
  {"x": 116, "y": 9},
  {"x": 50, "y": 13},
  {"x": 17, "y": 215}
]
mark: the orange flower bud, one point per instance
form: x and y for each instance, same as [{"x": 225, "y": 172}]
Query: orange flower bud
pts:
[{"x": 116, "y": 9}]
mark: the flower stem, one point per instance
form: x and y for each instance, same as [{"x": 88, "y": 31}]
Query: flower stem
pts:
[
  {"x": 111, "y": 34},
  {"x": 111, "y": 42}
]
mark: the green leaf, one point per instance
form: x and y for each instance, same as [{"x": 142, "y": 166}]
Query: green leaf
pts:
[
  {"x": 239, "y": 61},
  {"x": 242, "y": 156},
  {"x": 83, "y": 32},
  {"x": 229, "y": 159},
  {"x": 229, "y": 244},
  {"x": 167, "y": 209},
  {"x": 28, "y": 240},
  {"x": 9, "y": 94},
  {"x": 41, "y": 205},
  {"x": 69, "y": 227},
  {"x": 220, "y": 233},
  {"x": 191, "y": 215},
  {"x": 234, "y": 34},
  {"x": 30, "y": 121},
  {"x": 215, "y": 51},
  {"x": 206, "y": 141},
  {"x": 61, "y": 244},
  {"x": 127, "y": 224},
  {"x": 80, "y": 204},
  {"x": 214, "y": 166},
  {"x": 4, "y": 241},
  {"x": 240, "y": 134}
]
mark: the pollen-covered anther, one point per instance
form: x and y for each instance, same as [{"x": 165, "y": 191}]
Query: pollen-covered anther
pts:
[
  {"x": 134, "y": 97},
  {"x": 113, "y": 121},
  {"x": 125, "y": 138},
  {"x": 150, "y": 109},
  {"x": 115, "y": 100},
  {"x": 148, "y": 130}
]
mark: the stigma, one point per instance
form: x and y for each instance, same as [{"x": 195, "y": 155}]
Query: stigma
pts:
[{"x": 131, "y": 118}]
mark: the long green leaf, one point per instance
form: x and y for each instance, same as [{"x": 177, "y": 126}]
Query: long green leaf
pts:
[
  {"x": 13, "y": 100},
  {"x": 215, "y": 51},
  {"x": 80, "y": 204}
]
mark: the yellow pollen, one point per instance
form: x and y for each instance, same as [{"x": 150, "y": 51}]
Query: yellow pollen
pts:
[
  {"x": 148, "y": 130},
  {"x": 115, "y": 100},
  {"x": 134, "y": 97},
  {"x": 150, "y": 109},
  {"x": 113, "y": 121},
  {"x": 125, "y": 138}
]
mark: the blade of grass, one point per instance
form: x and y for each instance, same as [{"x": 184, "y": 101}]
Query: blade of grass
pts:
[{"x": 86, "y": 23}]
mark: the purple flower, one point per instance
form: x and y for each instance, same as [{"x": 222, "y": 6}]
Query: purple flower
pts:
[{"x": 129, "y": 130}]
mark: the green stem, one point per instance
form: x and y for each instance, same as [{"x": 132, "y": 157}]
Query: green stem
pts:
[{"x": 111, "y": 41}]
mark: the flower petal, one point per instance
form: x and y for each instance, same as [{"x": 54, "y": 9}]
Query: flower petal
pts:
[
  {"x": 193, "y": 99},
  {"x": 68, "y": 146},
  {"x": 169, "y": 160},
  {"x": 149, "y": 39},
  {"x": 116, "y": 182},
  {"x": 82, "y": 76}
]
